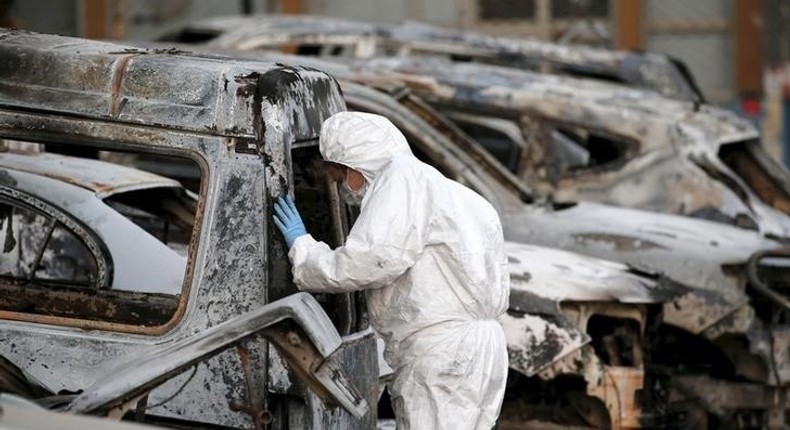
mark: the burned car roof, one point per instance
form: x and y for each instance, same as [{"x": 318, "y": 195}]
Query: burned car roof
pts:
[
  {"x": 647, "y": 70},
  {"x": 293, "y": 23},
  {"x": 104, "y": 179},
  {"x": 157, "y": 87},
  {"x": 490, "y": 86},
  {"x": 126, "y": 254}
]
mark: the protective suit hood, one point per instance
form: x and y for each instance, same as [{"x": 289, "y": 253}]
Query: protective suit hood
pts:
[{"x": 370, "y": 142}]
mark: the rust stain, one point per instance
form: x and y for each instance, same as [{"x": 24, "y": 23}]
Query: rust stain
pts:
[
  {"x": 618, "y": 390},
  {"x": 244, "y": 357},
  {"x": 118, "y": 73}
]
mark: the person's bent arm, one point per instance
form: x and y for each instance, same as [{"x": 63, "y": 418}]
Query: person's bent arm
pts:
[{"x": 385, "y": 241}]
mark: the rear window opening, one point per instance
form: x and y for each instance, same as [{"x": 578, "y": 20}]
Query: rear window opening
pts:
[
  {"x": 764, "y": 175},
  {"x": 496, "y": 143},
  {"x": 587, "y": 73},
  {"x": 319, "y": 50},
  {"x": 499, "y": 137},
  {"x": 168, "y": 214},
  {"x": 576, "y": 149},
  {"x": 87, "y": 236}
]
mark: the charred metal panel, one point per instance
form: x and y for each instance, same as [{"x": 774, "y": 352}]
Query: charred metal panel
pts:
[
  {"x": 560, "y": 275},
  {"x": 136, "y": 86},
  {"x": 154, "y": 366},
  {"x": 534, "y": 342},
  {"x": 600, "y": 231},
  {"x": 18, "y": 414}
]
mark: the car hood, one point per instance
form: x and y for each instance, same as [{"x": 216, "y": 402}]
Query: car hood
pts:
[
  {"x": 537, "y": 332},
  {"x": 704, "y": 256},
  {"x": 558, "y": 276}
]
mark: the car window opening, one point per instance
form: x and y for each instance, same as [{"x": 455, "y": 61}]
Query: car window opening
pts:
[
  {"x": 39, "y": 248},
  {"x": 70, "y": 252},
  {"x": 166, "y": 213},
  {"x": 577, "y": 148},
  {"x": 497, "y": 143}
]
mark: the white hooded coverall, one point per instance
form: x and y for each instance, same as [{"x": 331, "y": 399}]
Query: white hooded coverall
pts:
[{"x": 430, "y": 254}]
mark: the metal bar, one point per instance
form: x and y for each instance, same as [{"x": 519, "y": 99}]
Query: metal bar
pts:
[
  {"x": 629, "y": 17},
  {"x": 758, "y": 285},
  {"x": 748, "y": 47},
  {"x": 40, "y": 254},
  {"x": 94, "y": 19}
]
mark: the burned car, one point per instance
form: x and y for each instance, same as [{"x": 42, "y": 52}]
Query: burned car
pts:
[
  {"x": 720, "y": 305},
  {"x": 583, "y": 140},
  {"x": 221, "y": 338},
  {"x": 334, "y": 37}
]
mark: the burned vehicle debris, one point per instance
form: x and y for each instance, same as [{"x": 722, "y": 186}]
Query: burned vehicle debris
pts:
[
  {"x": 221, "y": 338},
  {"x": 706, "y": 262},
  {"x": 557, "y": 335},
  {"x": 600, "y": 341},
  {"x": 335, "y": 37}
]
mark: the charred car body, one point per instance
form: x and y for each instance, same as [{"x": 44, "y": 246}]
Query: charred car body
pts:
[
  {"x": 226, "y": 341},
  {"x": 656, "y": 237},
  {"x": 334, "y": 37},
  {"x": 539, "y": 332}
]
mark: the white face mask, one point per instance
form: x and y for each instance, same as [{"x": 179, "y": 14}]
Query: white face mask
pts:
[{"x": 350, "y": 196}]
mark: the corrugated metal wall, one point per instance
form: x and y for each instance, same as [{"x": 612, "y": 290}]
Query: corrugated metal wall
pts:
[{"x": 699, "y": 33}]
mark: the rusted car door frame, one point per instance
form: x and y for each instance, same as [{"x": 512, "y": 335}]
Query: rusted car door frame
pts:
[{"x": 238, "y": 121}]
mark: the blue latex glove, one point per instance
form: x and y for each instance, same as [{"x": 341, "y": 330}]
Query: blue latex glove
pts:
[{"x": 287, "y": 220}]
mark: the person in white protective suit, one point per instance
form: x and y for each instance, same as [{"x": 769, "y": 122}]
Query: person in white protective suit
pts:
[{"x": 429, "y": 253}]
